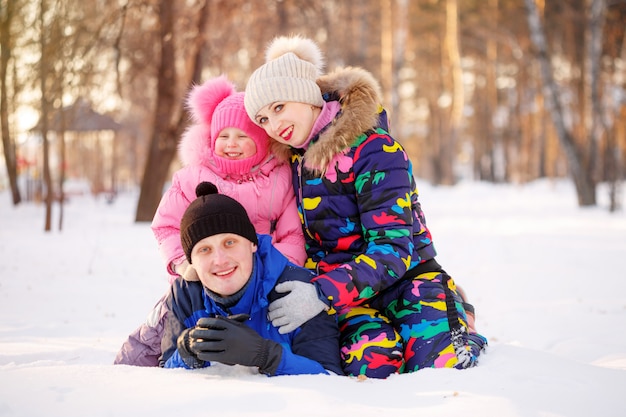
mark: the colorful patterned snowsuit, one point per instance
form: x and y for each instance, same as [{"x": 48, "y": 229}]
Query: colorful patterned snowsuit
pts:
[{"x": 364, "y": 229}]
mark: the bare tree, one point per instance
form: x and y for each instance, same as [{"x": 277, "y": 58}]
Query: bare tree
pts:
[
  {"x": 8, "y": 144},
  {"x": 599, "y": 124},
  {"x": 43, "y": 76},
  {"x": 163, "y": 143},
  {"x": 166, "y": 131},
  {"x": 458, "y": 82},
  {"x": 455, "y": 89},
  {"x": 583, "y": 181}
]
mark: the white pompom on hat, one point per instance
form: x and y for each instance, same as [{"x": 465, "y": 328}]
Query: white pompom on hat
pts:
[{"x": 292, "y": 66}]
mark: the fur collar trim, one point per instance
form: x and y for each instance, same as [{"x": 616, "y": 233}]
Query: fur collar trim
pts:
[{"x": 360, "y": 97}]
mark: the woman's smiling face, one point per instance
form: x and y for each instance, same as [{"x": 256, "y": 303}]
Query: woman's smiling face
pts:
[{"x": 288, "y": 122}]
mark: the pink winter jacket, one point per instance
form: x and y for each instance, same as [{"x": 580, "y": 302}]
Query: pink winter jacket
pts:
[{"x": 266, "y": 193}]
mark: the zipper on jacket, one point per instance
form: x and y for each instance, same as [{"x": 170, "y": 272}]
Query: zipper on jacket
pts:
[
  {"x": 271, "y": 212},
  {"x": 306, "y": 223}
]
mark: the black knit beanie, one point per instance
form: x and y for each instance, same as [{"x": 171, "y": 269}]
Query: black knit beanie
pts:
[{"x": 211, "y": 214}]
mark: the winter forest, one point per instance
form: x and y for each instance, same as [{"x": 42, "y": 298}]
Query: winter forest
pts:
[
  {"x": 512, "y": 112},
  {"x": 500, "y": 91}
]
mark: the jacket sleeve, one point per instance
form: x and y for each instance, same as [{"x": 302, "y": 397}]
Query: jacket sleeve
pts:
[
  {"x": 166, "y": 222},
  {"x": 385, "y": 191},
  {"x": 288, "y": 236},
  {"x": 143, "y": 345},
  {"x": 174, "y": 325},
  {"x": 314, "y": 345},
  {"x": 318, "y": 340},
  {"x": 172, "y": 328},
  {"x": 292, "y": 364}
]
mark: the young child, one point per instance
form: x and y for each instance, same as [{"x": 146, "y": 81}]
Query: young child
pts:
[
  {"x": 223, "y": 318},
  {"x": 225, "y": 147},
  {"x": 366, "y": 234}
]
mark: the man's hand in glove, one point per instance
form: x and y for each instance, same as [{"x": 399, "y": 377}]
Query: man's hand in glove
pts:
[
  {"x": 296, "y": 308},
  {"x": 184, "y": 350},
  {"x": 229, "y": 341}
]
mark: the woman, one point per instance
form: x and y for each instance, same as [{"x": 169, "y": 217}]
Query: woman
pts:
[{"x": 366, "y": 235}]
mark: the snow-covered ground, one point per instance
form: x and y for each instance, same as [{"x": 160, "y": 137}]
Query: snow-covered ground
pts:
[{"x": 547, "y": 278}]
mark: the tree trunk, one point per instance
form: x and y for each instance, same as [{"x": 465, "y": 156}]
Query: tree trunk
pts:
[
  {"x": 163, "y": 143},
  {"x": 386, "y": 53},
  {"x": 452, "y": 51},
  {"x": 194, "y": 73},
  {"x": 163, "y": 146},
  {"x": 583, "y": 181},
  {"x": 494, "y": 142},
  {"x": 10, "y": 154},
  {"x": 599, "y": 125},
  {"x": 63, "y": 165},
  {"x": 401, "y": 24},
  {"x": 44, "y": 121}
]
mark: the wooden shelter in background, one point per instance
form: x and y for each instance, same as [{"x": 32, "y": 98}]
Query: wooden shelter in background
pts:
[{"x": 89, "y": 141}]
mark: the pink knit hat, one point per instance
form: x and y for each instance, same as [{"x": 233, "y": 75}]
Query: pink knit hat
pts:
[{"x": 216, "y": 104}]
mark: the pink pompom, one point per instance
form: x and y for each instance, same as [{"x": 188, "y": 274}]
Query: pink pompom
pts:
[{"x": 204, "y": 98}]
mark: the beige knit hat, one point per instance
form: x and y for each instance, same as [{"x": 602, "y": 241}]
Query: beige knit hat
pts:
[{"x": 292, "y": 65}]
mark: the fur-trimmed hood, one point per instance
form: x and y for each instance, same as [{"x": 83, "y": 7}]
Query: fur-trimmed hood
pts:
[
  {"x": 360, "y": 98},
  {"x": 194, "y": 147}
]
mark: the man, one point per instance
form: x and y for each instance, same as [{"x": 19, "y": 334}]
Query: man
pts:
[{"x": 224, "y": 316}]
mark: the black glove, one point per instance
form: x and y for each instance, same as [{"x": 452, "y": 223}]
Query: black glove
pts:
[
  {"x": 184, "y": 350},
  {"x": 229, "y": 341}
]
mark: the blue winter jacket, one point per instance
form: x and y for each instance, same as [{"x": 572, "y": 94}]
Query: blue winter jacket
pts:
[{"x": 311, "y": 349}]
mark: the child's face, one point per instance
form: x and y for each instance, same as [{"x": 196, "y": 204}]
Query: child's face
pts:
[
  {"x": 288, "y": 122},
  {"x": 223, "y": 262},
  {"x": 233, "y": 143}
]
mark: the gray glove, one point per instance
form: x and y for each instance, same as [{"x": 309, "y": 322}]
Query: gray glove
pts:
[{"x": 296, "y": 308}]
